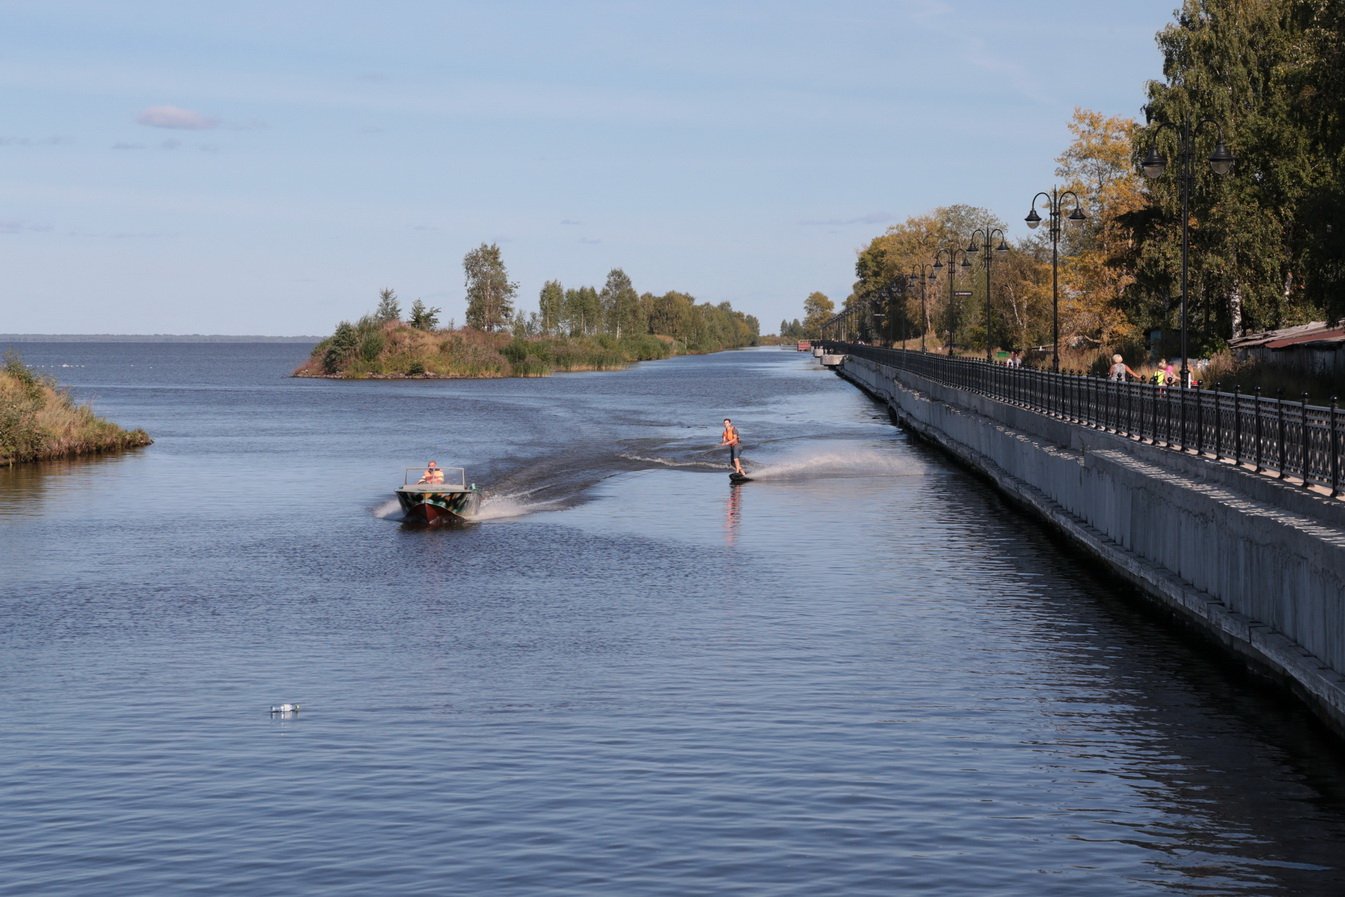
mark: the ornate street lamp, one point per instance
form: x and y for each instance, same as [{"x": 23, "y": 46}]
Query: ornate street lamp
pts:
[
  {"x": 1055, "y": 198},
  {"x": 988, "y": 233},
  {"x": 952, "y": 275},
  {"x": 1221, "y": 163},
  {"x": 921, "y": 275}
]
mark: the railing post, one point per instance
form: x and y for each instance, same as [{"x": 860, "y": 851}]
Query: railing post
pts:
[
  {"x": 1166, "y": 393},
  {"x": 1279, "y": 410},
  {"x": 1218, "y": 422},
  {"x": 1257, "y": 409},
  {"x": 1154, "y": 432},
  {"x": 1335, "y": 452},
  {"x": 1303, "y": 423},
  {"x": 1123, "y": 386},
  {"x": 1237, "y": 424},
  {"x": 1200, "y": 420}
]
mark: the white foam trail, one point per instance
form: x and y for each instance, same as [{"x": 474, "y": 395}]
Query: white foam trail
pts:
[
  {"x": 504, "y": 507},
  {"x": 668, "y": 462},
  {"x": 863, "y": 460},
  {"x": 387, "y": 509}
]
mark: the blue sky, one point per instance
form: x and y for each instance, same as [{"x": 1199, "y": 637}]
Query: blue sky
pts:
[{"x": 268, "y": 167}]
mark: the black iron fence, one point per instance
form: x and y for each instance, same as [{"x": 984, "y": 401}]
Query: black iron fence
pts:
[{"x": 1287, "y": 439}]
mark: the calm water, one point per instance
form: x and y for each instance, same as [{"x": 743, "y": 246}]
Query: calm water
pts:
[{"x": 860, "y": 674}]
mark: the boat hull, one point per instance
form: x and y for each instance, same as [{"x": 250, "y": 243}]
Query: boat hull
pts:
[{"x": 431, "y": 507}]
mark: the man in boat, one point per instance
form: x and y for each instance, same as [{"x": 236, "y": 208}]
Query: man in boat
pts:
[
  {"x": 433, "y": 475},
  {"x": 730, "y": 438}
]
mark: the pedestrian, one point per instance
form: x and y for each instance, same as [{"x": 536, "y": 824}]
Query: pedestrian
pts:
[{"x": 1119, "y": 369}]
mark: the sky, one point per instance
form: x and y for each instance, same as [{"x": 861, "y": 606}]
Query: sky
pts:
[{"x": 268, "y": 167}]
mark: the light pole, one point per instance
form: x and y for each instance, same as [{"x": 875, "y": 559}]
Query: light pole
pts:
[
  {"x": 952, "y": 275},
  {"x": 988, "y": 233},
  {"x": 1055, "y": 197},
  {"x": 1221, "y": 163},
  {"x": 919, "y": 274}
]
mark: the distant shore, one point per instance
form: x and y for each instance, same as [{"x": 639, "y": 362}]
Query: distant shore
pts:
[
  {"x": 394, "y": 350},
  {"x": 40, "y": 422},
  {"x": 149, "y": 338}
]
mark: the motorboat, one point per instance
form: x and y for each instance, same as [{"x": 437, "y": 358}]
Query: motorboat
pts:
[{"x": 437, "y": 495}]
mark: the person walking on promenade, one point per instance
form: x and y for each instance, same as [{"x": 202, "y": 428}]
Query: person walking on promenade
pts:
[{"x": 1119, "y": 370}]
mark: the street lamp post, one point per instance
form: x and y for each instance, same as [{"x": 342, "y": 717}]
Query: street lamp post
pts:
[
  {"x": 1055, "y": 198},
  {"x": 988, "y": 233},
  {"x": 952, "y": 275},
  {"x": 1221, "y": 163},
  {"x": 919, "y": 274}
]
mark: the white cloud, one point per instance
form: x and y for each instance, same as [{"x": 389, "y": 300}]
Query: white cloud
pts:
[{"x": 176, "y": 119}]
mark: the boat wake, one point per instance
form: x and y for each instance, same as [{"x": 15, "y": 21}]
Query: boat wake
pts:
[
  {"x": 495, "y": 506},
  {"x": 389, "y": 509},
  {"x": 861, "y": 460},
  {"x": 688, "y": 464}
]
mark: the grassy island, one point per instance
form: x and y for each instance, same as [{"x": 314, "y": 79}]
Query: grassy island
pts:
[
  {"x": 383, "y": 346},
  {"x": 39, "y": 421}
]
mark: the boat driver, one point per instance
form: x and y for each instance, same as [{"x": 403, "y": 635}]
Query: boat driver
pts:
[{"x": 434, "y": 474}]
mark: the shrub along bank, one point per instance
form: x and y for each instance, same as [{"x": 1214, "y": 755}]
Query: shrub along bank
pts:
[
  {"x": 393, "y": 349},
  {"x": 39, "y": 421}
]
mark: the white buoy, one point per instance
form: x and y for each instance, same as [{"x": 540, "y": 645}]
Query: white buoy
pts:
[{"x": 285, "y": 708}]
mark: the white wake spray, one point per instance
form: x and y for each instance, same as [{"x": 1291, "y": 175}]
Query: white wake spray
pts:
[{"x": 835, "y": 460}]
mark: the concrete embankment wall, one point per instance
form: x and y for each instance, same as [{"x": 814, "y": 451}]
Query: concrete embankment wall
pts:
[{"x": 1257, "y": 563}]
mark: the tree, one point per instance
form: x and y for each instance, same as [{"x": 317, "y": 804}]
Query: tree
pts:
[
  {"x": 424, "y": 317},
  {"x": 817, "y": 309},
  {"x": 389, "y": 309},
  {"x": 551, "y": 306},
  {"x": 343, "y": 344},
  {"x": 1097, "y": 268},
  {"x": 620, "y": 305},
  {"x": 1230, "y": 62},
  {"x": 490, "y": 292},
  {"x": 583, "y": 311}
]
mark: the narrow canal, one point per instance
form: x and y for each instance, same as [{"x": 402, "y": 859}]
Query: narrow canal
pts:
[{"x": 861, "y": 673}]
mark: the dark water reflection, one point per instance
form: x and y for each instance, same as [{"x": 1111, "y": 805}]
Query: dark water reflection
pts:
[{"x": 861, "y": 673}]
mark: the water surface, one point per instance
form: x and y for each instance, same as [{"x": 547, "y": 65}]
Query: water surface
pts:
[{"x": 860, "y": 674}]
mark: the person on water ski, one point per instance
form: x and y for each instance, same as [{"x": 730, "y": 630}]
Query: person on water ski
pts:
[{"x": 730, "y": 438}]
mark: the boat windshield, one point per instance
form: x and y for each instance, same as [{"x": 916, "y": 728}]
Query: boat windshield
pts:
[{"x": 454, "y": 477}]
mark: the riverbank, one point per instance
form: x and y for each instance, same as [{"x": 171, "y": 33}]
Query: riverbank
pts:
[
  {"x": 1248, "y": 561},
  {"x": 394, "y": 350},
  {"x": 40, "y": 422}
]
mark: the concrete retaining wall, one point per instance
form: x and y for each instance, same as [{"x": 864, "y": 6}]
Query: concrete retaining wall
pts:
[{"x": 1257, "y": 563}]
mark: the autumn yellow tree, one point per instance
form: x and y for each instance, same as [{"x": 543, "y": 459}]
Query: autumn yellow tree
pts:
[{"x": 1094, "y": 271}]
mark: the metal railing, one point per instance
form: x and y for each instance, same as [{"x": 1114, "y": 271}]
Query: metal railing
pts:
[{"x": 1285, "y": 439}]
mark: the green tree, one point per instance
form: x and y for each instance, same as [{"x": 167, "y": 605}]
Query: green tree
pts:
[
  {"x": 1229, "y": 62},
  {"x": 424, "y": 317},
  {"x": 341, "y": 347},
  {"x": 389, "y": 309},
  {"x": 583, "y": 311},
  {"x": 551, "y": 306},
  {"x": 620, "y": 305},
  {"x": 490, "y": 292}
]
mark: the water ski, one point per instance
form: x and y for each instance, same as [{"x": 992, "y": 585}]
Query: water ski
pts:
[{"x": 736, "y": 478}]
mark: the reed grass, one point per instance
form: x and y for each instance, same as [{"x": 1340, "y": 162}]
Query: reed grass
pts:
[{"x": 40, "y": 422}]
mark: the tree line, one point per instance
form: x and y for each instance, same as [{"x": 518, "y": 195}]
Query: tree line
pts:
[
  {"x": 1265, "y": 82},
  {"x": 609, "y": 326},
  {"x": 617, "y": 309}
]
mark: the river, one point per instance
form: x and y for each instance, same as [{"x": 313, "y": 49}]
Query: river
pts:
[{"x": 862, "y": 673}]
